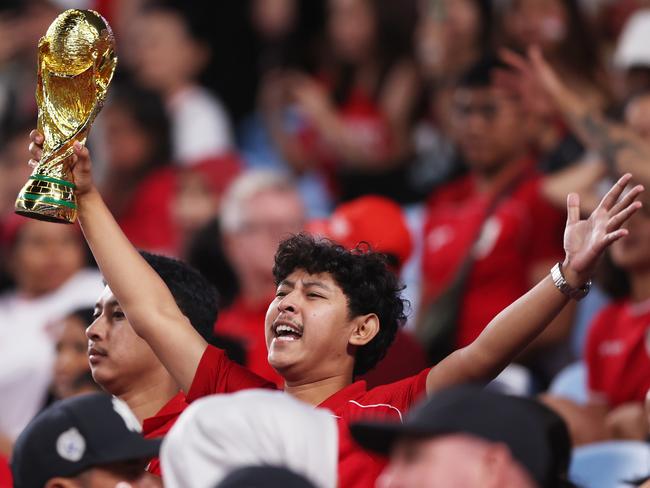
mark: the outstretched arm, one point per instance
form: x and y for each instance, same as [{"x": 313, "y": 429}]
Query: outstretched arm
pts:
[
  {"x": 516, "y": 326},
  {"x": 620, "y": 147},
  {"x": 142, "y": 294}
]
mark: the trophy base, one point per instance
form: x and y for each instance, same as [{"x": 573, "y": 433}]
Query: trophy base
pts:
[{"x": 49, "y": 199}]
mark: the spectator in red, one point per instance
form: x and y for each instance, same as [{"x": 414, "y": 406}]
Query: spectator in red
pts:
[
  {"x": 381, "y": 224},
  {"x": 125, "y": 365},
  {"x": 334, "y": 315},
  {"x": 355, "y": 117},
  {"x": 259, "y": 209},
  {"x": 493, "y": 229}
]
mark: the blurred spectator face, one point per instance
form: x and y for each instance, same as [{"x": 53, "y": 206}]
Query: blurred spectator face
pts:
[
  {"x": 632, "y": 253},
  {"x": 539, "y": 22},
  {"x": 128, "y": 145},
  {"x": 45, "y": 256},
  {"x": 267, "y": 217},
  {"x": 71, "y": 356},
  {"x": 273, "y": 18},
  {"x": 117, "y": 355},
  {"x": 460, "y": 461},
  {"x": 637, "y": 116},
  {"x": 487, "y": 126},
  {"x": 352, "y": 29},
  {"x": 166, "y": 56},
  {"x": 14, "y": 170}
]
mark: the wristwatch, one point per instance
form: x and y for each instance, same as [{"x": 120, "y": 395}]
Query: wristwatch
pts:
[{"x": 564, "y": 287}]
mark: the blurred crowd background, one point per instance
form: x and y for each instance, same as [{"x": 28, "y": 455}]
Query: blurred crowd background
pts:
[{"x": 427, "y": 128}]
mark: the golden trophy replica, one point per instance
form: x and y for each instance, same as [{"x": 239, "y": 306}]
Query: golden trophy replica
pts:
[{"x": 76, "y": 62}]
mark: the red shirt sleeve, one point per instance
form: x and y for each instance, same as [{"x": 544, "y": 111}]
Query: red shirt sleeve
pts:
[
  {"x": 218, "y": 374},
  {"x": 401, "y": 394}
]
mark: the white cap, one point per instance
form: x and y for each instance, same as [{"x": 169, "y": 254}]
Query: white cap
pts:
[
  {"x": 633, "y": 48},
  {"x": 220, "y": 433}
]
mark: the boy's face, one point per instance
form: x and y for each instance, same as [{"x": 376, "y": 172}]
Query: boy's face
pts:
[
  {"x": 308, "y": 328},
  {"x": 117, "y": 355}
]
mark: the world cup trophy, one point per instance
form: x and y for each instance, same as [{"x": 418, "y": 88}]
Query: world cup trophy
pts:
[{"x": 76, "y": 62}]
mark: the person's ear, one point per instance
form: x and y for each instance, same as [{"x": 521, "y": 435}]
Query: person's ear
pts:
[{"x": 365, "y": 328}]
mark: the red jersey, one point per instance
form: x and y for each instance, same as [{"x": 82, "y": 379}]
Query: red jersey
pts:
[
  {"x": 357, "y": 468},
  {"x": 618, "y": 353},
  {"x": 159, "y": 425},
  {"x": 246, "y": 325},
  {"x": 522, "y": 231},
  {"x": 6, "y": 480}
]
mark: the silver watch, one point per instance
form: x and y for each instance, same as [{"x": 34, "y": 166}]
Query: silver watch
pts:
[{"x": 564, "y": 287}]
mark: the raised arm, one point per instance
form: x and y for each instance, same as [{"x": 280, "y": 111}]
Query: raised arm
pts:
[
  {"x": 142, "y": 294},
  {"x": 516, "y": 326},
  {"x": 620, "y": 147}
]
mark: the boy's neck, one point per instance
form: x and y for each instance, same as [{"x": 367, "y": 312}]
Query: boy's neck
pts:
[
  {"x": 147, "y": 397},
  {"x": 317, "y": 392},
  {"x": 640, "y": 286}
]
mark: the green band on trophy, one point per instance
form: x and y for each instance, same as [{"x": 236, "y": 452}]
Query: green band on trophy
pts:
[
  {"x": 46, "y": 199},
  {"x": 53, "y": 180}
]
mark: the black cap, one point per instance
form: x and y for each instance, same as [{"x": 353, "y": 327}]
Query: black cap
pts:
[
  {"x": 535, "y": 435},
  {"x": 264, "y": 477},
  {"x": 76, "y": 434}
]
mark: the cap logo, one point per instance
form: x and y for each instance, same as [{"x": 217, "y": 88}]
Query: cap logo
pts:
[
  {"x": 130, "y": 420},
  {"x": 71, "y": 445}
]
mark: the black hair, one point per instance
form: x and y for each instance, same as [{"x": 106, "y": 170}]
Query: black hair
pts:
[
  {"x": 364, "y": 278},
  {"x": 194, "y": 295},
  {"x": 481, "y": 73},
  {"x": 147, "y": 109},
  {"x": 85, "y": 315}
]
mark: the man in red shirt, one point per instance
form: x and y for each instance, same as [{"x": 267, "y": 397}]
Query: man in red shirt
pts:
[
  {"x": 258, "y": 210},
  {"x": 334, "y": 315},
  {"x": 125, "y": 366},
  {"x": 496, "y": 217}
]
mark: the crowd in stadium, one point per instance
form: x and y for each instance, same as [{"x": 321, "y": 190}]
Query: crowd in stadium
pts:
[{"x": 335, "y": 243}]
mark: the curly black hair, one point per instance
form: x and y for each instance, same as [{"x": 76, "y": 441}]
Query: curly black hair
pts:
[
  {"x": 364, "y": 278},
  {"x": 195, "y": 295}
]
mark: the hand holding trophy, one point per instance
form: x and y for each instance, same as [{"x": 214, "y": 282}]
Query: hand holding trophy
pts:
[{"x": 76, "y": 62}]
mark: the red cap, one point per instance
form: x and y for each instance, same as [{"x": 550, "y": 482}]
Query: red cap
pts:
[{"x": 373, "y": 219}]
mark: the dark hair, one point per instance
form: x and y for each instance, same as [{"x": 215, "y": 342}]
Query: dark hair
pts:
[
  {"x": 194, "y": 295},
  {"x": 85, "y": 315},
  {"x": 147, "y": 109},
  {"x": 364, "y": 278},
  {"x": 481, "y": 73}
]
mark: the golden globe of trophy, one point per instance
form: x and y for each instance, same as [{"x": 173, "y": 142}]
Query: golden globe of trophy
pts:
[{"x": 76, "y": 62}]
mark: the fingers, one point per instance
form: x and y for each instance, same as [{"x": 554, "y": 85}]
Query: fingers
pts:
[
  {"x": 628, "y": 198},
  {"x": 514, "y": 60},
  {"x": 37, "y": 137},
  {"x": 573, "y": 208},
  {"x": 36, "y": 151},
  {"x": 619, "y": 219},
  {"x": 614, "y": 193},
  {"x": 81, "y": 155}
]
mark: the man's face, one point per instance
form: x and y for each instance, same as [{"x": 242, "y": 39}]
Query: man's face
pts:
[
  {"x": 456, "y": 460},
  {"x": 308, "y": 327},
  {"x": 488, "y": 126},
  {"x": 117, "y": 355},
  {"x": 268, "y": 217}
]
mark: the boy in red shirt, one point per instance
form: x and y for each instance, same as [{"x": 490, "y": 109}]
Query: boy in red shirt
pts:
[{"x": 334, "y": 315}]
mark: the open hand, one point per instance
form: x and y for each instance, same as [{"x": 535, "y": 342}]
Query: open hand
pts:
[
  {"x": 585, "y": 240},
  {"x": 81, "y": 163}
]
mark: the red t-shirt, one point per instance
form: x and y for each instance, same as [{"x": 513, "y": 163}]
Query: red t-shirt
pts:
[
  {"x": 618, "y": 353},
  {"x": 524, "y": 230},
  {"x": 246, "y": 325},
  {"x": 6, "y": 480},
  {"x": 159, "y": 425},
  {"x": 357, "y": 468}
]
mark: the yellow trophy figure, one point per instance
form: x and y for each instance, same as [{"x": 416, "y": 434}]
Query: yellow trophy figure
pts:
[{"x": 76, "y": 62}]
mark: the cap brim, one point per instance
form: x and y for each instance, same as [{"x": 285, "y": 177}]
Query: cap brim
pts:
[
  {"x": 380, "y": 437},
  {"x": 130, "y": 450}
]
